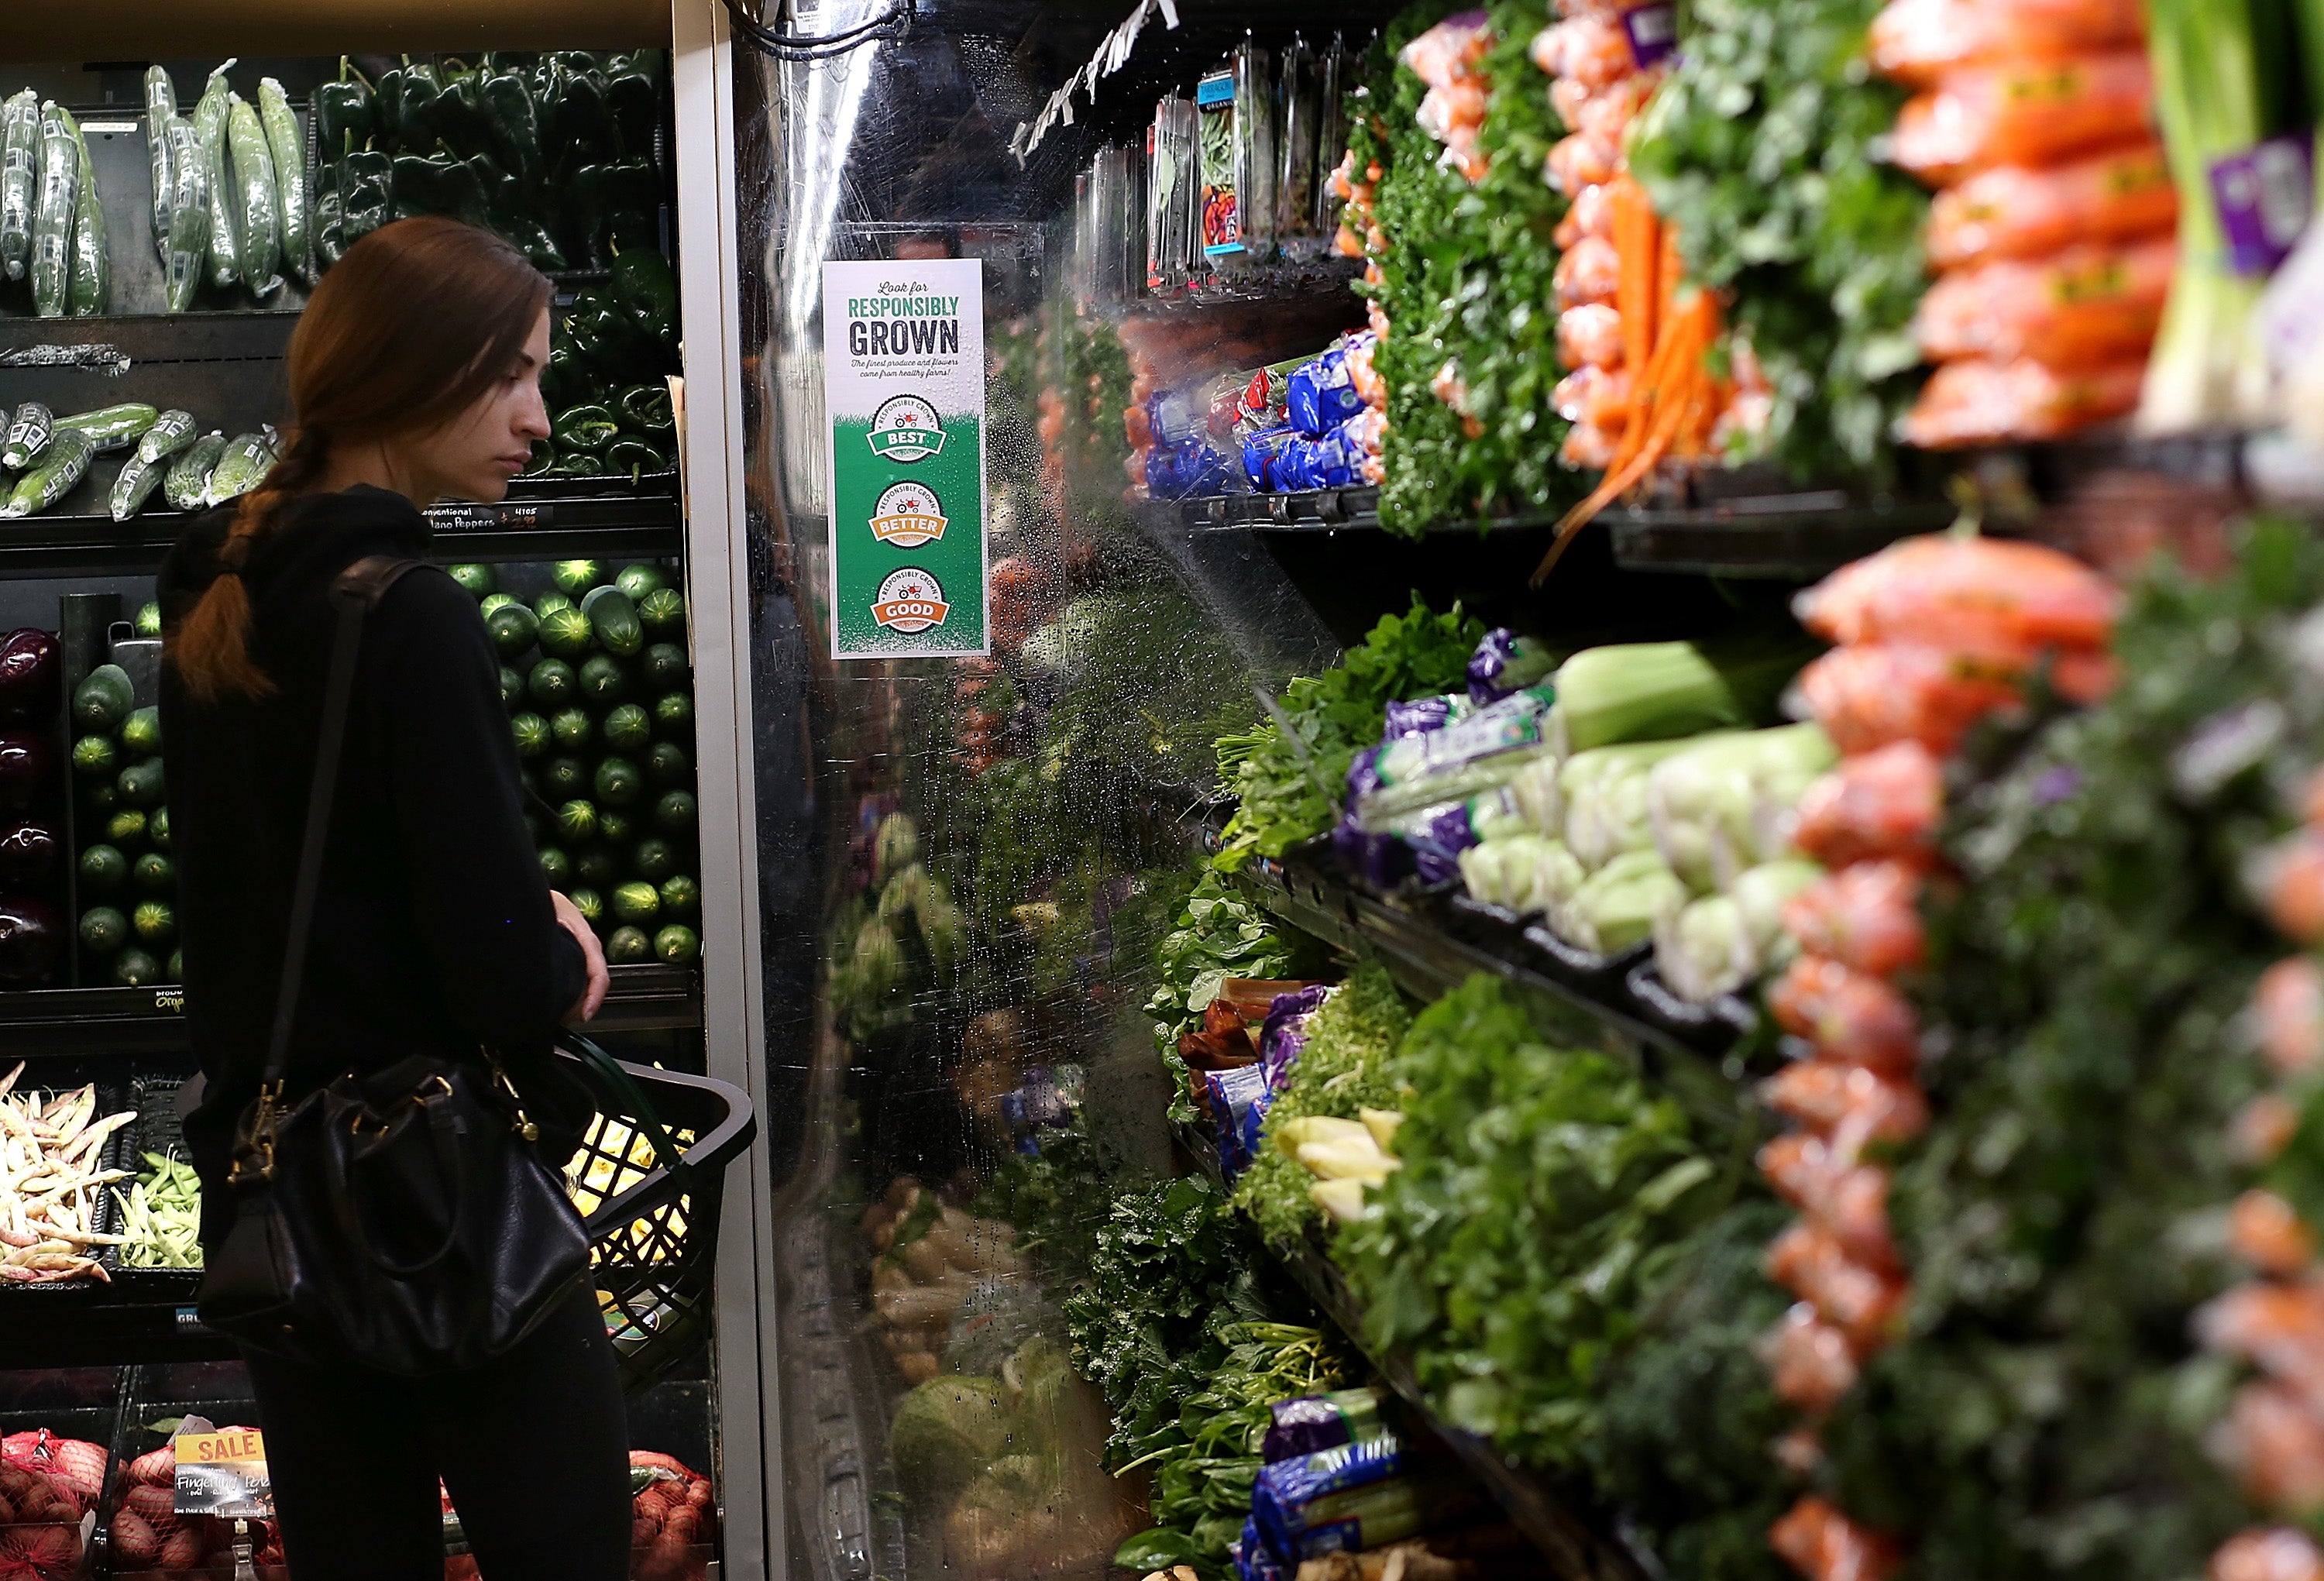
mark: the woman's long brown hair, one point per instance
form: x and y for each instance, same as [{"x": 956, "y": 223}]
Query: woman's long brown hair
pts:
[{"x": 404, "y": 334}]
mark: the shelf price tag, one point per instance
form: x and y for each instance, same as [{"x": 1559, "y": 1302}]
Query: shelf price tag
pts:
[
  {"x": 222, "y": 1473},
  {"x": 903, "y": 381},
  {"x": 490, "y": 518}
]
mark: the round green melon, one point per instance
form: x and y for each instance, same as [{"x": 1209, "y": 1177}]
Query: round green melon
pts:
[
  {"x": 531, "y": 733},
  {"x": 564, "y": 633},
  {"x": 476, "y": 581},
  {"x": 551, "y": 684},
  {"x": 618, "y": 783},
  {"x": 677, "y": 945},
  {"x": 577, "y": 576},
  {"x": 556, "y": 867},
  {"x": 577, "y": 821},
  {"x": 628, "y": 727},
  {"x": 627, "y": 946},
  {"x": 103, "y": 869},
  {"x": 572, "y": 727},
  {"x": 681, "y": 896}
]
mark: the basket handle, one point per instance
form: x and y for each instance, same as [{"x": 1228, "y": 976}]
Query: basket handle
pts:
[{"x": 638, "y": 1110}]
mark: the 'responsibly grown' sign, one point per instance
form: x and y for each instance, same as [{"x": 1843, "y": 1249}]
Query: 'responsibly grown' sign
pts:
[{"x": 903, "y": 372}]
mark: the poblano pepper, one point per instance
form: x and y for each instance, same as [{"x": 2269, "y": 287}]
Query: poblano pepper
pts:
[
  {"x": 417, "y": 93},
  {"x": 461, "y": 122},
  {"x": 437, "y": 183},
  {"x": 330, "y": 221},
  {"x": 583, "y": 125},
  {"x": 644, "y": 410},
  {"x": 508, "y": 108},
  {"x": 387, "y": 107},
  {"x": 630, "y": 458},
  {"x": 343, "y": 114},
  {"x": 585, "y": 427},
  {"x": 366, "y": 193},
  {"x": 644, "y": 283},
  {"x": 633, "y": 99}
]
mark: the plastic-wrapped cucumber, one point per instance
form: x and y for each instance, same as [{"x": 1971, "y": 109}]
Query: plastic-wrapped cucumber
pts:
[
  {"x": 241, "y": 468},
  {"x": 189, "y": 215},
  {"x": 259, "y": 235},
  {"x": 161, "y": 109},
  {"x": 170, "y": 432},
  {"x": 90, "y": 289},
  {"x": 62, "y": 464},
  {"x": 112, "y": 428},
  {"x": 288, "y": 149},
  {"x": 187, "y": 486},
  {"x": 209, "y": 127},
  {"x": 53, "y": 212},
  {"x": 28, "y": 436},
  {"x": 20, "y": 161},
  {"x": 138, "y": 480}
]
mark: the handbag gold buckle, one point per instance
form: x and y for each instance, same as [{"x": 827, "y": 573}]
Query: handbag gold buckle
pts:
[
  {"x": 522, "y": 1125},
  {"x": 262, "y": 1137}
]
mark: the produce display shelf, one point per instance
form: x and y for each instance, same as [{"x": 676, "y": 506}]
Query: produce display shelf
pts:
[
  {"x": 1548, "y": 1517},
  {"x": 607, "y": 525},
  {"x": 1789, "y": 537},
  {"x": 102, "y": 1325},
  {"x": 1282, "y": 283},
  {"x": 644, "y": 997},
  {"x": 1433, "y": 942}
]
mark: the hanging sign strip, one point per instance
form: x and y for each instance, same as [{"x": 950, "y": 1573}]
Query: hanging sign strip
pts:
[{"x": 903, "y": 382}]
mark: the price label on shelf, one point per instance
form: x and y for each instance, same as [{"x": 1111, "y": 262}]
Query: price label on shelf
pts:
[
  {"x": 903, "y": 374},
  {"x": 222, "y": 1472},
  {"x": 491, "y": 518}
]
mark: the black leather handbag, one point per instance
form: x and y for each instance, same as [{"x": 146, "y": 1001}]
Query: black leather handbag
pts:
[{"x": 402, "y": 1219}]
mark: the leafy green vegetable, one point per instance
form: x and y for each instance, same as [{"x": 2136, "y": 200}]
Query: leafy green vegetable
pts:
[
  {"x": 1760, "y": 150},
  {"x": 1343, "y": 1067},
  {"x": 1466, "y": 283},
  {"x": 1290, "y": 788},
  {"x": 1506, "y": 1255},
  {"x": 2045, "y": 1419}
]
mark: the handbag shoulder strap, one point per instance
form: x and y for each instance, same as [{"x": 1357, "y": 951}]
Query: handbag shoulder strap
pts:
[{"x": 353, "y": 593}]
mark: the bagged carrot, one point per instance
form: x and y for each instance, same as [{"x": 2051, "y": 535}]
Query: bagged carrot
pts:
[
  {"x": 2287, "y": 1013},
  {"x": 1871, "y": 696},
  {"x": 1932, "y": 587},
  {"x": 2025, "y": 112},
  {"x": 2083, "y": 307},
  {"x": 1850, "y": 1016},
  {"x": 1590, "y": 335},
  {"x": 1915, "y": 41},
  {"x": 1865, "y": 917},
  {"x": 2272, "y": 1439},
  {"x": 1809, "y": 1361},
  {"x": 2123, "y": 195},
  {"x": 1823, "y": 1545},
  {"x": 1885, "y": 803},
  {"x": 2267, "y": 1233},
  {"x": 1863, "y": 1303},
  {"x": 1850, "y": 1104},
  {"x": 2278, "y": 1553},
  {"x": 1994, "y": 403},
  {"x": 1850, "y": 1200},
  {"x": 1595, "y": 395}
]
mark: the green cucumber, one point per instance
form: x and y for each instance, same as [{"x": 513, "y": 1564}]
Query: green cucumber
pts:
[
  {"x": 188, "y": 485},
  {"x": 155, "y": 873},
  {"x": 103, "y": 699},
  {"x": 662, "y": 612},
  {"x": 563, "y": 778},
  {"x": 253, "y": 201},
  {"x": 140, "y": 733},
  {"x": 286, "y": 148},
  {"x": 628, "y": 729},
  {"x": 20, "y": 159},
  {"x": 168, "y": 433},
  {"x": 667, "y": 766},
  {"x": 88, "y": 290},
  {"x": 241, "y": 467},
  {"x": 112, "y": 428},
  {"x": 619, "y": 784},
  {"x": 132, "y": 486},
  {"x": 103, "y": 869},
  {"x": 572, "y": 727},
  {"x": 637, "y": 581},
  {"x": 55, "y": 208},
  {"x": 677, "y": 945},
  {"x": 681, "y": 896},
  {"x": 603, "y": 681},
  {"x": 514, "y": 629},
  {"x": 186, "y": 262},
  {"x": 627, "y": 946},
  {"x": 96, "y": 756},
  {"x": 531, "y": 733},
  {"x": 103, "y": 930},
  {"x": 62, "y": 464},
  {"x": 217, "y": 188},
  {"x": 564, "y": 633},
  {"x": 160, "y": 108},
  {"x": 555, "y": 866},
  {"x": 552, "y": 685},
  {"x": 476, "y": 581},
  {"x": 577, "y": 576},
  {"x": 613, "y": 620},
  {"x": 577, "y": 821},
  {"x": 28, "y": 436}
]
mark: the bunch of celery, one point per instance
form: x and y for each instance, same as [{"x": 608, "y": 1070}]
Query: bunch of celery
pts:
[{"x": 2221, "y": 85}]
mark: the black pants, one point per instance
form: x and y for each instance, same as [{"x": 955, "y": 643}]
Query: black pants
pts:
[{"x": 533, "y": 1449}]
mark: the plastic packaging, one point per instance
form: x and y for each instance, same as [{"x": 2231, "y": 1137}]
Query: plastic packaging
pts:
[
  {"x": 1320, "y": 395},
  {"x": 1885, "y": 803},
  {"x": 1850, "y": 1199},
  {"x": 1315, "y": 1422},
  {"x": 1849, "y": 1105},
  {"x": 2084, "y": 307},
  {"x": 1506, "y": 664},
  {"x": 2025, "y": 112},
  {"x": 1222, "y": 199},
  {"x": 1922, "y": 589},
  {"x": 2123, "y": 195},
  {"x": 1865, "y": 917},
  {"x": 1297, "y": 148},
  {"x": 1850, "y": 1016},
  {"x": 1824, "y": 1545},
  {"x": 1174, "y": 196},
  {"x": 2287, "y": 1014},
  {"x": 1257, "y": 124},
  {"x": 2277, "y": 1553},
  {"x": 1809, "y": 1360},
  {"x": 1918, "y": 40},
  {"x": 1863, "y": 1303}
]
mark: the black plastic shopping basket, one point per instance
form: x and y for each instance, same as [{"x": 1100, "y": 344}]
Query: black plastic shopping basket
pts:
[{"x": 650, "y": 1200}]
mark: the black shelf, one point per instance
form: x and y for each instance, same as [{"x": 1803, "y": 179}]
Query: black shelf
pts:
[
  {"x": 607, "y": 525},
  {"x": 56, "y": 1022},
  {"x": 102, "y": 1325},
  {"x": 1547, "y": 1516}
]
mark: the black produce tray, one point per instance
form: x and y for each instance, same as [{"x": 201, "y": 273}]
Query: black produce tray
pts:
[
  {"x": 156, "y": 1130},
  {"x": 112, "y": 1097}
]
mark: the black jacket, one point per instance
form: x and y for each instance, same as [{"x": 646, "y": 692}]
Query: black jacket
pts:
[{"x": 433, "y": 932}]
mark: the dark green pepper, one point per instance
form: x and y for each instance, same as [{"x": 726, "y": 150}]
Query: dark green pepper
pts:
[
  {"x": 644, "y": 410},
  {"x": 584, "y": 125},
  {"x": 387, "y": 107},
  {"x": 585, "y": 427},
  {"x": 607, "y": 339},
  {"x": 577, "y": 464},
  {"x": 421, "y": 87},
  {"x": 461, "y": 122},
  {"x": 343, "y": 113},
  {"x": 508, "y": 108},
  {"x": 633, "y": 99},
  {"x": 543, "y": 459},
  {"x": 564, "y": 380},
  {"x": 438, "y": 183},
  {"x": 506, "y": 216},
  {"x": 330, "y": 221},
  {"x": 644, "y": 285},
  {"x": 630, "y": 458},
  {"x": 366, "y": 193}
]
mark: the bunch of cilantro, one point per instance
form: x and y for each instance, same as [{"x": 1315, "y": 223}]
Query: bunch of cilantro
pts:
[
  {"x": 1506, "y": 1255},
  {"x": 1465, "y": 281},
  {"x": 1289, "y": 785},
  {"x": 2045, "y": 1418},
  {"x": 1763, "y": 150},
  {"x": 1343, "y": 1067}
]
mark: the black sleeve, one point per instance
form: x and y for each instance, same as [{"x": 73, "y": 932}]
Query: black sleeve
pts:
[{"x": 510, "y": 972}]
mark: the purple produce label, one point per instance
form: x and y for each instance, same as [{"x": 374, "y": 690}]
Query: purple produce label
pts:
[
  {"x": 2264, "y": 197},
  {"x": 1653, "y": 34}
]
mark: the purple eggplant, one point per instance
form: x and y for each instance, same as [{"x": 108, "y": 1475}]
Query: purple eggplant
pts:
[
  {"x": 31, "y": 667},
  {"x": 28, "y": 769},
  {"x": 29, "y": 854},
  {"x": 31, "y": 941}
]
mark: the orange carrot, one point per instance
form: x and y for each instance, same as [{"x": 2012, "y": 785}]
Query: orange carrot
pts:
[{"x": 1637, "y": 243}]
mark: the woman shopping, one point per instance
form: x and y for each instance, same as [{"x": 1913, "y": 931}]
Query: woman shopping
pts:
[{"x": 372, "y": 993}]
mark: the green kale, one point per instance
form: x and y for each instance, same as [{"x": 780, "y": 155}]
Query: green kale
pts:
[
  {"x": 1343, "y": 1067},
  {"x": 1465, "y": 283},
  {"x": 1760, "y": 150},
  {"x": 1290, "y": 787},
  {"x": 2045, "y": 1418},
  {"x": 1506, "y": 1257}
]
